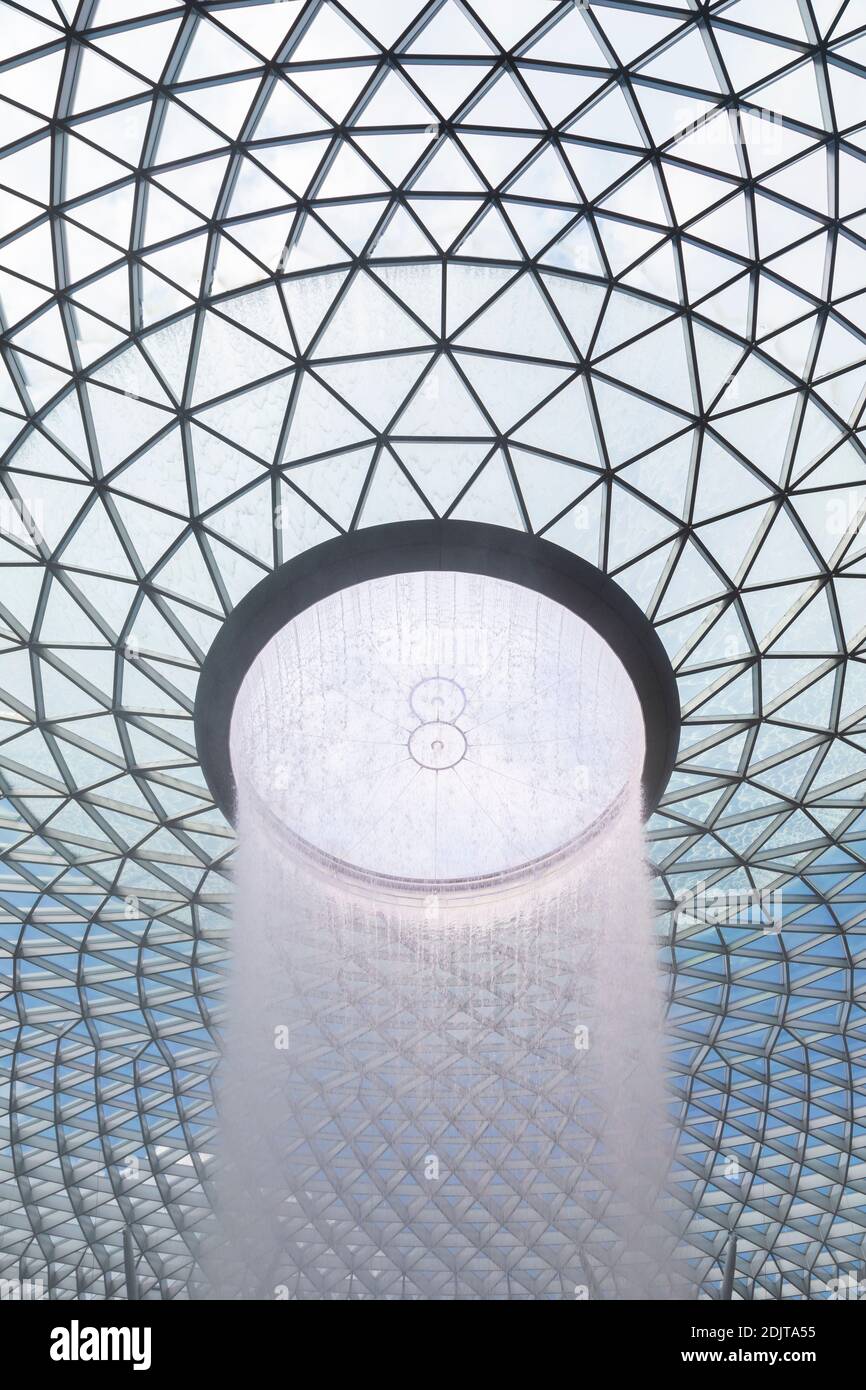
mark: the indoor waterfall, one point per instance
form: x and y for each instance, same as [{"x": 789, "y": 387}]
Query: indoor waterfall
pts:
[{"x": 454, "y": 1093}]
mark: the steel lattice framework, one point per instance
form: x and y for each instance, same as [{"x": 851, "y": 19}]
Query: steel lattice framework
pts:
[{"x": 271, "y": 272}]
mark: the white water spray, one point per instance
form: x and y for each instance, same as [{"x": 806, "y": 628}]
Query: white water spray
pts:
[{"x": 449, "y": 1088}]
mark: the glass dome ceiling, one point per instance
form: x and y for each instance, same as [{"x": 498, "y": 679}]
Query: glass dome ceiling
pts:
[{"x": 271, "y": 272}]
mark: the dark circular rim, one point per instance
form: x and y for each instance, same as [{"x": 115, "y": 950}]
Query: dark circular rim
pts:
[{"x": 465, "y": 547}]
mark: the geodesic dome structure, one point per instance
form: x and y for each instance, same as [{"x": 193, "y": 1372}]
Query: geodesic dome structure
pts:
[{"x": 273, "y": 272}]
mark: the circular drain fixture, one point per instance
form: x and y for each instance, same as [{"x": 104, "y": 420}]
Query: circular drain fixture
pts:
[
  {"x": 438, "y": 698},
  {"x": 437, "y": 746}
]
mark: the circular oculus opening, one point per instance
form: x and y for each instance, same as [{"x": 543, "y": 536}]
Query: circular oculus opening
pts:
[
  {"x": 436, "y": 705},
  {"x": 436, "y": 728}
]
